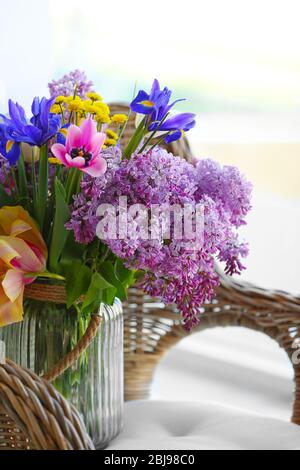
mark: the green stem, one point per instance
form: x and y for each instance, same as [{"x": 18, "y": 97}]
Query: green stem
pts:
[
  {"x": 154, "y": 132},
  {"x": 13, "y": 174},
  {"x": 73, "y": 184},
  {"x": 62, "y": 115},
  {"x": 160, "y": 140},
  {"x": 46, "y": 275},
  {"x": 33, "y": 183},
  {"x": 22, "y": 177},
  {"x": 42, "y": 193}
]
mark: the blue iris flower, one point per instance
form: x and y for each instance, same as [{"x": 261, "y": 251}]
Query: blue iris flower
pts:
[
  {"x": 175, "y": 126},
  {"x": 157, "y": 106},
  {"x": 157, "y": 103},
  {"x": 42, "y": 127},
  {"x": 62, "y": 134},
  {"x": 8, "y": 149}
]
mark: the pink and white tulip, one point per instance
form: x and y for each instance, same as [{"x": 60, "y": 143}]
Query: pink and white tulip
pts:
[{"x": 83, "y": 149}]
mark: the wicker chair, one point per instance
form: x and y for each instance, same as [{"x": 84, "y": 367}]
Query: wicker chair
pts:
[
  {"x": 151, "y": 328},
  {"x": 34, "y": 416}
]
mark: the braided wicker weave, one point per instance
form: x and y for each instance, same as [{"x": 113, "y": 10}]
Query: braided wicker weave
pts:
[
  {"x": 151, "y": 328},
  {"x": 33, "y": 415}
]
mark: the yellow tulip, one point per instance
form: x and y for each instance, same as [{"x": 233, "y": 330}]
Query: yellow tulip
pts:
[{"x": 23, "y": 253}]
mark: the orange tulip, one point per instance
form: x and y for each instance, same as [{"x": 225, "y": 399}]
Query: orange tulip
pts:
[{"x": 23, "y": 253}]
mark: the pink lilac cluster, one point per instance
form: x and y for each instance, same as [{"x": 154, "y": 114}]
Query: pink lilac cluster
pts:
[
  {"x": 175, "y": 270},
  {"x": 66, "y": 85}
]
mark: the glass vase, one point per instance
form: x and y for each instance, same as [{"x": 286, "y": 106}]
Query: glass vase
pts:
[{"x": 95, "y": 383}]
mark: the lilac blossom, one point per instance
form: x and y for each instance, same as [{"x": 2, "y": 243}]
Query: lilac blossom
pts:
[
  {"x": 5, "y": 175},
  {"x": 227, "y": 185},
  {"x": 66, "y": 85},
  {"x": 177, "y": 271}
]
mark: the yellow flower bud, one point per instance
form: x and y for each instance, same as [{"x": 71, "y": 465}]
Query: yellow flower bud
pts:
[
  {"x": 60, "y": 99},
  {"x": 119, "y": 118},
  {"x": 75, "y": 104},
  {"x": 54, "y": 161},
  {"x": 94, "y": 96},
  {"x": 110, "y": 142},
  {"x": 112, "y": 134},
  {"x": 56, "y": 109}
]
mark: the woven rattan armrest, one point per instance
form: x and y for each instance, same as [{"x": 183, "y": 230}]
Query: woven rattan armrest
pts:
[{"x": 33, "y": 415}]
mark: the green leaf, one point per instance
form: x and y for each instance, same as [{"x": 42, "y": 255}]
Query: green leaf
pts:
[
  {"x": 109, "y": 296},
  {"x": 95, "y": 293},
  {"x": 124, "y": 275},
  {"x": 108, "y": 271},
  {"x": 23, "y": 184},
  {"x": 59, "y": 232},
  {"x": 136, "y": 139},
  {"x": 78, "y": 279},
  {"x": 73, "y": 183},
  {"x": 42, "y": 189},
  {"x": 72, "y": 250}
]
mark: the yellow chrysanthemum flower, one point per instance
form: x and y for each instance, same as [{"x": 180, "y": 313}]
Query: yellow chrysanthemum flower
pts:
[
  {"x": 89, "y": 107},
  {"x": 103, "y": 118},
  {"x": 67, "y": 99},
  {"x": 110, "y": 142},
  {"x": 119, "y": 118},
  {"x": 112, "y": 134},
  {"x": 60, "y": 99},
  {"x": 94, "y": 96},
  {"x": 56, "y": 109},
  {"x": 102, "y": 107},
  {"x": 75, "y": 104}
]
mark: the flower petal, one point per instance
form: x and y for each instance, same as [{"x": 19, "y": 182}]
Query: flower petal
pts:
[
  {"x": 74, "y": 138},
  {"x": 97, "y": 143},
  {"x": 13, "y": 284},
  {"x": 16, "y": 222},
  {"x": 10, "y": 312},
  {"x": 88, "y": 129},
  {"x": 18, "y": 227},
  {"x": 185, "y": 121},
  {"x": 97, "y": 168},
  {"x": 77, "y": 162},
  {"x": 60, "y": 151},
  {"x": 16, "y": 253},
  {"x": 7, "y": 252}
]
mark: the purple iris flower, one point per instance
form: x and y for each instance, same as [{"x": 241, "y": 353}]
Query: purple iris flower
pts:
[
  {"x": 176, "y": 126},
  {"x": 42, "y": 127},
  {"x": 157, "y": 103},
  {"x": 9, "y": 150}
]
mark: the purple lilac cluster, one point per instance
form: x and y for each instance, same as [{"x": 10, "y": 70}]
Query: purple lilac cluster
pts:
[
  {"x": 66, "y": 85},
  {"x": 6, "y": 180},
  {"x": 175, "y": 270},
  {"x": 84, "y": 219}
]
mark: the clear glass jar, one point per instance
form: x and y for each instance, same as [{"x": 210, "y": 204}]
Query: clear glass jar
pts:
[{"x": 95, "y": 384}]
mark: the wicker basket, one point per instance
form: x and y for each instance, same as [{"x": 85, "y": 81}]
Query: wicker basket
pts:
[
  {"x": 151, "y": 329},
  {"x": 34, "y": 416}
]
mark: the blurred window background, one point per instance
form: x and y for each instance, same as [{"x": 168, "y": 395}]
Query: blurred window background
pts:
[{"x": 236, "y": 62}]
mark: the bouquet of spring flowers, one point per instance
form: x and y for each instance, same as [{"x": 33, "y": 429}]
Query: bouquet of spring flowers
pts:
[{"x": 80, "y": 208}]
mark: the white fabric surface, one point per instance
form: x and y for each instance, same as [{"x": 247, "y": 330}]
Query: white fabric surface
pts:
[{"x": 202, "y": 426}]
